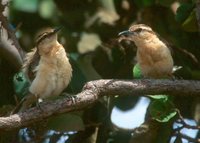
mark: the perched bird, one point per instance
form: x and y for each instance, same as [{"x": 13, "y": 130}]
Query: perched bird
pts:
[
  {"x": 153, "y": 55},
  {"x": 47, "y": 67}
]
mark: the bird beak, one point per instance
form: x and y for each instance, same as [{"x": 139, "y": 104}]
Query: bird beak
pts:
[
  {"x": 126, "y": 33},
  {"x": 57, "y": 30}
]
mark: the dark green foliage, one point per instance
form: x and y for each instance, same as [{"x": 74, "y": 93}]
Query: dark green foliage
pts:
[
  {"x": 144, "y": 3},
  {"x": 21, "y": 84},
  {"x": 166, "y": 3},
  {"x": 161, "y": 108},
  {"x": 184, "y": 11}
]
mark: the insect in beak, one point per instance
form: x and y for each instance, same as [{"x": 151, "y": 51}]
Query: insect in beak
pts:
[{"x": 126, "y": 33}]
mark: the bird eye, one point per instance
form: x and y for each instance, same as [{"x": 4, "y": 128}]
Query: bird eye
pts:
[{"x": 138, "y": 30}]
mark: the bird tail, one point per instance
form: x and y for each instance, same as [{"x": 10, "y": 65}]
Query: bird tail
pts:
[{"x": 25, "y": 103}]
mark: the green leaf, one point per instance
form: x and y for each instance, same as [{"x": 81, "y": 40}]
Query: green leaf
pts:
[
  {"x": 26, "y": 5},
  {"x": 166, "y": 3},
  {"x": 21, "y": 84},
  {"x": 162, "y": 109},
  {"x": 183, "y": 12},
  {"x": 66, "y": 122},
  {"x": 157, "y": 97},
  {"x": 47, "y": 9},
  {"x": 191, "y": 24},
  {"x": 137, "y": 72}
]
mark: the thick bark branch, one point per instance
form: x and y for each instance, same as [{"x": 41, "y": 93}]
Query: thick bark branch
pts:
[{"x": 93, "y": 90}]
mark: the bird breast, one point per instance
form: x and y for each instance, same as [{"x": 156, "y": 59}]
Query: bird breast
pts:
[
  {"x": 155, "y": 60},
  {"x": 53, "y": 75}
]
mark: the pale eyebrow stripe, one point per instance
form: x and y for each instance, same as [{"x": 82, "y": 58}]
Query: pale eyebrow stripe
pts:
[{"x": 41, "y": 35}]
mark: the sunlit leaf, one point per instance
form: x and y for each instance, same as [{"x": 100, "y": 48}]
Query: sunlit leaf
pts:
[
  {"x": 26, "y": 5},
  {"x": 47, "y": 9},
  {"x": 162, "y": 97},
  {"x": 137, "y": 71},
  {"x": 88, "y": 42}
]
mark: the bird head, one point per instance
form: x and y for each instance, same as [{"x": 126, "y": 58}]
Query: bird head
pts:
[
  {"x": 46, "y": 38},
  {"x": 137, "y": 33}
]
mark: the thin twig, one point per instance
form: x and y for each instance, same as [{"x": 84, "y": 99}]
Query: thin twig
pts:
[
  {"x": 189, "y": 54},
  {"x": 18, "y": 27},
  {"x": 177, "y": 131},
  {"x": 185, "y": 125},
  {"x": 184, "y": 136}
]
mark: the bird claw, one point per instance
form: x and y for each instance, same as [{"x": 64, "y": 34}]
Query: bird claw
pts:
[
  {"x": 70, "y": 97},
  {"x": 39, "y": 106}
]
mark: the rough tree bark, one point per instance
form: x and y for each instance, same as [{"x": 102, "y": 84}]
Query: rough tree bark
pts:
[{"x": 93, "y": 90}]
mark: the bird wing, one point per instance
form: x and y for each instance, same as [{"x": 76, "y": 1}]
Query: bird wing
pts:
[
  {"x": 168, "y": 44},
  {"x": 30, "y": 64},
  {"x": 29, "y": 68}
]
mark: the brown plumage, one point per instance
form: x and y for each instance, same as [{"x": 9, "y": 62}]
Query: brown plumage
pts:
[
  {"x": 153, "y": 55},
  {"x": 31, "y": 61}
]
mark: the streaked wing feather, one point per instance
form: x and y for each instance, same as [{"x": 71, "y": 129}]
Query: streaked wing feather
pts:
[{"x": 30, "y": 64}]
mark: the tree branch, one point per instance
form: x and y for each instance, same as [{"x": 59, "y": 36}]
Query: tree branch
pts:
[
  {"x": 9, "y": 45},
  {"x": 93, "y": 90}
]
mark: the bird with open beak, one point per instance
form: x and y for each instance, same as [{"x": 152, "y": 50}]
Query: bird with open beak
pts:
[
  {"x": 153, "y": 56},
  {"x": 47, "y": 67}
]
